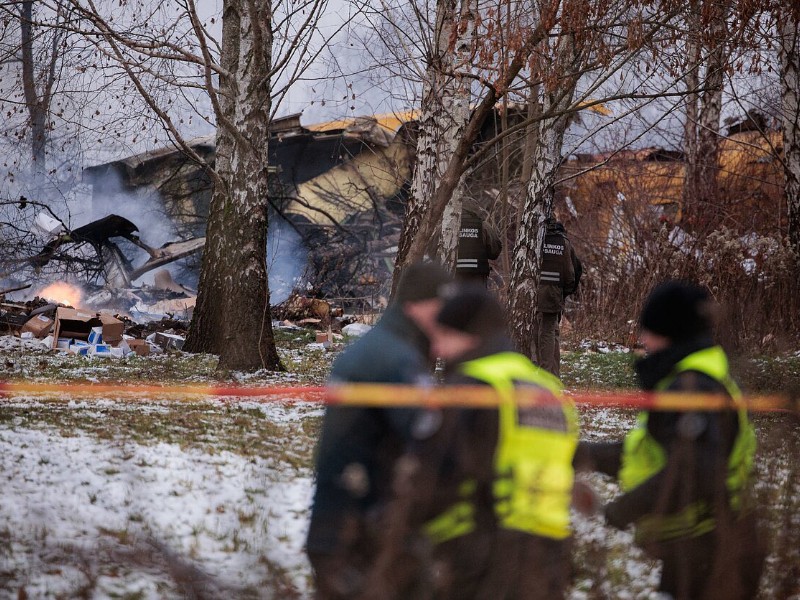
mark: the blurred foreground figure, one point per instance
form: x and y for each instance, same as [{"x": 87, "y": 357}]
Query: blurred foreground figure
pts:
[
  {"x": 685, "y": 475},
  {"x": 500, "y": 509},
  {"x": 360, "y": 446}
]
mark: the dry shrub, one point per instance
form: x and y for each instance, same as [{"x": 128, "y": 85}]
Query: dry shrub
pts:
[{"x": 753, "y": 279}]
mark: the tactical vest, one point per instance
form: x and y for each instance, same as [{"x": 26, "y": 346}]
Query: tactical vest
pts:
[
  {"x": 557, "y": 268},
  {"x": 532, "y": 489},
  {"x": 472, "y": 258},
  {"x": 643, "y": 456}
]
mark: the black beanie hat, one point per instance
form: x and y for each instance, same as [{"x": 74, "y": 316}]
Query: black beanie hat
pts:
[
  {"x": 678, "y": 310},
  {"x": 471, "y": 309},
  {"x": 422, "y": 281}
]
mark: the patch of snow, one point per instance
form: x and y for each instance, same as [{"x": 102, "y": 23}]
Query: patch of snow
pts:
[{"x": 228, "y": 513}]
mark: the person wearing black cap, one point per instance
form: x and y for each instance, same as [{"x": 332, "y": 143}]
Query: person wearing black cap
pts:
[
  {"x": 499, "y": 514},
  {"x": 359, "y": 446},
  {"x": 685, "y": 475}
]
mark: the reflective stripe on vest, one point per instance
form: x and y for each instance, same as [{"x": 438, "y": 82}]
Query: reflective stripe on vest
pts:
[
  {"x": 533, "y": 463},
  {"x": 457, "y": 520},
  {"x": 643, "y": 456}
]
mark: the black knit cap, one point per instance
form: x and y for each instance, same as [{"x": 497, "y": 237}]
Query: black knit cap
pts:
[
  {"x": 678, "y": 310},
  {"x": 471, "y": 309},
  {"x": 422, "y": 281}
]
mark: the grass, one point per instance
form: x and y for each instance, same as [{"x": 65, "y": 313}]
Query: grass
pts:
[{"x": 244, "y": 428}]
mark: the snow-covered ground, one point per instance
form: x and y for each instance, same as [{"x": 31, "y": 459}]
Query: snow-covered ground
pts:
[
  {"x": 151, "y": 499},
  {"x": 84, "y": 512},
  {"x": 117, "y": 517}
]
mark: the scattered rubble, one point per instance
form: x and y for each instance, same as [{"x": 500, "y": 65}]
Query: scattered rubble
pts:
[
  {"x": 41, "y": 325},
  {"x": 356, "y": 329}
]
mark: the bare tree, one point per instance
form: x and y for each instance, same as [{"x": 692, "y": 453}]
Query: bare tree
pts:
[
  {"x": 708, "y": 54},
  {"x": 788, "y": 22},
  {"x": 538, "y": 205},
  {"x": 232, "y": 317},
  {"x": 264, "y": 48},
  {"x": 509, "y": 61},
  {"x": 443, "y": 116}
]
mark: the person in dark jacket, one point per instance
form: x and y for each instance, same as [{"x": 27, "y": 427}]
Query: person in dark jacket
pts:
[
  {"x": 685, "y": 475},
  {"x": 359, "y": 446},
  {"x": 559, "y": 277},
  {"x": 499, "y": 509},
  {"x": 478, "y": 243}
]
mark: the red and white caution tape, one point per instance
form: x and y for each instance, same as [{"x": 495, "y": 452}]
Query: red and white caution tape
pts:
[{"x": 386, "y": 395}]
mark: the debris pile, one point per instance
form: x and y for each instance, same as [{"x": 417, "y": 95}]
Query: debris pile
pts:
[
  {"x": 44, "y": 325},
  {"x": 328, "y": 320}
]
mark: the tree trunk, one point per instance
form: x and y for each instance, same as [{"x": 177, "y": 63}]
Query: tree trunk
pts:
[
  {"x": 701, "y": 191},
  {"x": 444, "y": 114},
  {"x": 538, "y": 205},
  {"x": 458, "y": 102},
  {"x": 789, "y": 51},
  {"x": 36, "y": 106},
  {"x": 691, "y": 81},
  {"x": 232, "y": 316},
  {"x": 417, "y": 240}
]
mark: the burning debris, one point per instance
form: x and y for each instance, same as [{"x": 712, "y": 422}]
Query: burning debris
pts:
[{"x": 50, "y": 322}]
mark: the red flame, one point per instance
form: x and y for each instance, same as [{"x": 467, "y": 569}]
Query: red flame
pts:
[{"x": 62, "y": 292}]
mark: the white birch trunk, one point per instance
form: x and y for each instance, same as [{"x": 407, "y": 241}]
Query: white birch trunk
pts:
[
  {"x": 458, "y": 109},
  {"x": 444, "y": 115},
  {"x": 232, "y": 315},
  {"x": 789, "y": 53},
  {"x": 527, "y": 257}
]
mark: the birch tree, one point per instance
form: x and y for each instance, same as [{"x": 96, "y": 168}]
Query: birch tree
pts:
[
  {"x": 540, "y": 192},
  {"x": 508, "y": 62},
  {"x": 444, "y": 113},
  {"x": 707, "y": 59},
  {"x": 788, "y": 24},
  {"x": 232, "y": 316},
  {"x": 264, "y": 47}
]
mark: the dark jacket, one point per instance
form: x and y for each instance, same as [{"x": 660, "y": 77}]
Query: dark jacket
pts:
[
  {"x": 561, "y": 270},
  {"x": 697, "y": 444},
  {"x": 488, "y": 562},
  {"x": 478, "y": 243},
  {"x": 359, "y": 445}
]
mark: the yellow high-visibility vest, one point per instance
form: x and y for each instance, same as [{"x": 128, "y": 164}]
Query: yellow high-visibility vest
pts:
[
  {"x": 533, "y": 459},
  {"x": 643, "y": 456}
]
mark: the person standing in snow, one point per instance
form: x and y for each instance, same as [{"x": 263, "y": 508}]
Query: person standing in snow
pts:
[
  {"x": 501, "y": 487},
  {"x": 360, "y": 446},
  {"x": 685, "y": 476},
  {"x": 559, "y": 277}
]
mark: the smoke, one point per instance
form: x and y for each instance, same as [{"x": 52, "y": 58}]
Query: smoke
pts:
[
  {"x": 144, "y": 207},
  {"x": 287, "y": 258}
]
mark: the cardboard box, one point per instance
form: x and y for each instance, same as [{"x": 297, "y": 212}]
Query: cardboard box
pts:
[
  {"x": 78, "y": 324},
  {"x": 112, "y": 329},
  {"x": 39, "y": 326},
  {"x": 96, "y": 335},
  {"x": 168, "y": 341},
  {"x": 140, "y": 347}
]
